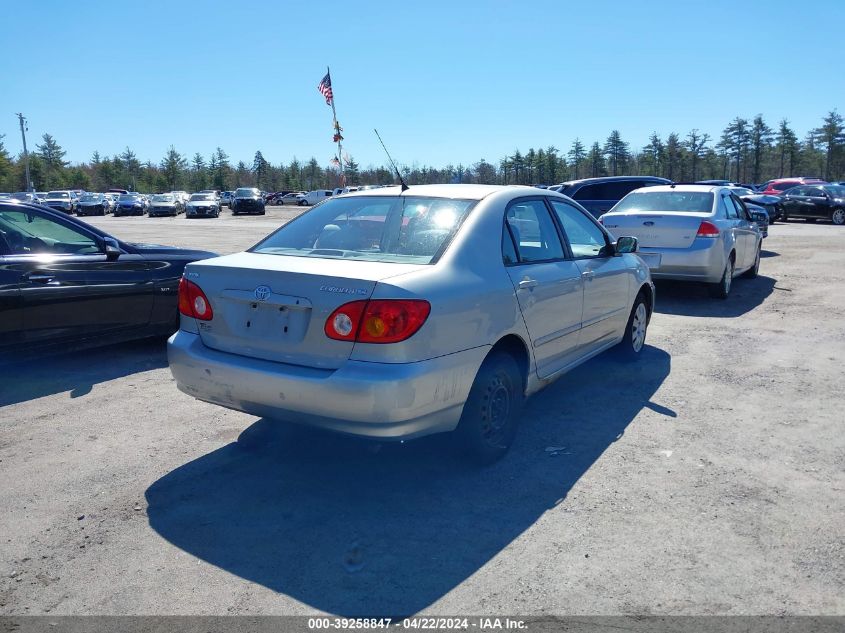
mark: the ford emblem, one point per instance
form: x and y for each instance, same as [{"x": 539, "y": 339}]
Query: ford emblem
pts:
[
  {"x": 649, "y": 223},
  {"x": 262, "y": 292}
]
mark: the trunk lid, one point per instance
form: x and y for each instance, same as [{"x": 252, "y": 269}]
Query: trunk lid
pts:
[
  {"x": 660, "y": 229},
  {"x": 275, "y": 307}
]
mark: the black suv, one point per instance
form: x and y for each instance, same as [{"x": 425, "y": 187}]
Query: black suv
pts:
[
  {"x": 247, "y": 200},
  {"x": 598, "y": 195}
]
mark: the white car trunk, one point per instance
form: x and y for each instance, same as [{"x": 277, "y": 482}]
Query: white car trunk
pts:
[{"x": 286, "y": 325}]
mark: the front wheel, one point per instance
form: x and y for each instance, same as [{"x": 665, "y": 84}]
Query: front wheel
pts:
[
  {"x": 491, "y": 412},
  {"x": 722, "y": 288},
  {"x": 838, "y": 217},
  {"x": 633, "y": 340}
]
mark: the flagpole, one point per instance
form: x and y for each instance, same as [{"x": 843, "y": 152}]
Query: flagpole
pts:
[{"x": 337, "y": 131}]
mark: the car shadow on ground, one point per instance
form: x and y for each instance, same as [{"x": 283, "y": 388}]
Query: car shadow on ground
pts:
[
  {"x": 78, "y": 372},
  {"x": 693, "y": 299},
  {"x": 356, "y": 528},
  {"x": 764, "y": 254}
]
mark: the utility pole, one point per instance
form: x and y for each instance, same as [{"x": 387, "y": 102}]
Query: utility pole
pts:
[{"x": 22, "y": 121}]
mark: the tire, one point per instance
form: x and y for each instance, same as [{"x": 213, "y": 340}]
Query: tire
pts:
[
  {"x": 721, "y": 289},
  {"x": 491, "y": 413},
  {"x": 633, "y": 341},
  {"x": 838, "y": 217},
  {"x": 302, "y": 203},
  {"x": 752, "y": 272}
]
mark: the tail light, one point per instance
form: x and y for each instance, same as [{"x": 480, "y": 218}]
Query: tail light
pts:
[
  {"x": 193, "y": 302},
  {"x": 707, "y": 229},
  {"x": 377, "y": 320}
]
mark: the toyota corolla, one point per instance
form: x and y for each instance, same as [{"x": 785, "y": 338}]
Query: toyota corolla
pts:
[{"x": 395, "y": 313}]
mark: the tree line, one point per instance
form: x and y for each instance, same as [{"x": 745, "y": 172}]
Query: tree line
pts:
[{"x": 748, "y": 151}]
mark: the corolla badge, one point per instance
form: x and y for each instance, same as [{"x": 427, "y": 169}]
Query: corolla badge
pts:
[{"x": 262, "y": 292}]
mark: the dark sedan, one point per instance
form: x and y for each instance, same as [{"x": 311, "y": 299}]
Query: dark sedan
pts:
[
  {"x": 130, "y": 204},
  {"x": 93, "y": 204},
  {"x": 815, "y": 202},
  {"x": 247, "y": 200},
  {"x": 771, "y": 204},
  {"x": 66, "y": 284}
]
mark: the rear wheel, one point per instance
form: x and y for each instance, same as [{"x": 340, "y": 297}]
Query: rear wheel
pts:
[
  {"x": 491, "y": 412},
  {"x": 633, "y": 340},
  {"x": 722, "y": 288},
  {"x": 838, "y": 217}
]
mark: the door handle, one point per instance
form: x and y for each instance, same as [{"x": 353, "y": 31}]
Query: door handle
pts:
[
  {"x": 525, "y": 284},
  {"x": 588, "y": 274},
  {"x": 39, "y": 278}
]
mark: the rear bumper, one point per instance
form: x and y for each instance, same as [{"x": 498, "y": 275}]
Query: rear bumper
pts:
[
  {"x": 379, "y": 400},
  {"x": 703, "y": 261}
]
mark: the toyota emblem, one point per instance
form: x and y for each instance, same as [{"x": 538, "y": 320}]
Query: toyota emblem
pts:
[{"x": 262, "y": 292}]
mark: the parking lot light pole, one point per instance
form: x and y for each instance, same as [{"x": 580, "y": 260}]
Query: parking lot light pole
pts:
[{"x": 22, "y": 121}]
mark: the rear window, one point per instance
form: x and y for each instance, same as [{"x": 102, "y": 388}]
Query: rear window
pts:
[
  {"x": 783, "y": 186},
  {"x": 686, "y": 201},
  {"x": 400, "y": 229}
]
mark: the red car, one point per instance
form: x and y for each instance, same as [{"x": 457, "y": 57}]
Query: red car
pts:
[{"x": 779, "y": 185}]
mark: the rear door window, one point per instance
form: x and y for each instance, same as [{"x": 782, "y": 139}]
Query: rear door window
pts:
[{"x": 533, "y": 231}]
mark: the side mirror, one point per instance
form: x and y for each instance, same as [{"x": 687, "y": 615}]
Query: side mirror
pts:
[
  {"x": 111, "y": 249},
  {"x": 626, "y": 244}
]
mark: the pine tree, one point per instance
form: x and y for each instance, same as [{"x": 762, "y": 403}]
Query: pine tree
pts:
[
  {"x": 787, "y": 147},
  {"x": 617, "y": 153},
  {"x": 172, "y": 165},
  {"x": 198, "y": 172},
  {"x": 673, "y": 157},
  {"x": 760, "y": 137},
  {"x": 260, "y": 167},
  {"x": 696, "y": 145},
  {"x": 831, "y": 137},
  {"x": 52, "y": 155},
  {"x": 653, "y": 154},
  {"x": 595, "y": 161},
  {"x": 577, "y": 154}
]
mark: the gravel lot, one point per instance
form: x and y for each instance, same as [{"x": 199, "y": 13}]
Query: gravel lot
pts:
[{"x": 707, "y": 479}]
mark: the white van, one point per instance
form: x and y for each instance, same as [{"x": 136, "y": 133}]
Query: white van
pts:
[{"x": 318, "y": 195}]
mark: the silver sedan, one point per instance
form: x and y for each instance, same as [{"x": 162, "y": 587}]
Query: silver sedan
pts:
[
  {"x": 690, "y": 232},
  {"x": 394, "y": 314}
]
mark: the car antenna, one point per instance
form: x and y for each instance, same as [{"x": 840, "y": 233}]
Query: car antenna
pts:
[{"x": 398, "y": 175}]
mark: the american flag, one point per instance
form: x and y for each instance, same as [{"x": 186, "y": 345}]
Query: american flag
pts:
[{"x": 325, "y": 87}]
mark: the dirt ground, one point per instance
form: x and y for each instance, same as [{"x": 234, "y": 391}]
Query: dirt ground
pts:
[{"x": 706, "y": 479}]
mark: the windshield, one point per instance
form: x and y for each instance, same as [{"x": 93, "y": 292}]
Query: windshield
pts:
[
  {"x": 837, "y": 191},
  {"x": 689, "y": 201},
  {"x": 22, "y": 195},
  {"x": 202, "y": 196},
  {"x": 128, "y": 197},
  {"x": 58, "y": 194},
  {"x": 246, "y": 193},
  {"x": 742, "y": 191},
  {"x": 163, "y": 198},
  {"x": 400, "y": 229},
  {"x": 90, "y": 197}
]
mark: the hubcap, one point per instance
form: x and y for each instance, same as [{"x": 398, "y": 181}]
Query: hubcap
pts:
[
  {"x": 638, "y": 327},
  {"x": 496, "y": 412},
  {"x": 839, "y": 216}
]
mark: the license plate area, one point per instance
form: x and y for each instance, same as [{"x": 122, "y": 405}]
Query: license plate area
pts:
[{"x": 279, "y": 318}]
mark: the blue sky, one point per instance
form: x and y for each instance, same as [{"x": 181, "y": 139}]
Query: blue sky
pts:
[{"x": 444, "y": 82}]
